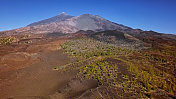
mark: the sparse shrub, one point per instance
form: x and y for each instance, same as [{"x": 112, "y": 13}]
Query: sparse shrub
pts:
[{"x": 7, "y": 40}]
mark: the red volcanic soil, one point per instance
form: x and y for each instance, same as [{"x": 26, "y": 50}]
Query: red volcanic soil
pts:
[
  {"x": 30, "y": 69},
  {"x": 27, "y": 70}
]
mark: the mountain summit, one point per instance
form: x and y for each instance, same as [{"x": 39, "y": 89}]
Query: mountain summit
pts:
[{"x": 65, "y": 23}]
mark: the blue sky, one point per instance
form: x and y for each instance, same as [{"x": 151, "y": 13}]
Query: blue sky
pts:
[{"x": 157, "y": 15}]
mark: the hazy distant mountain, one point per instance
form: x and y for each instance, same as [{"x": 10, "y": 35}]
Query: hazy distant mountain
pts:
[
  {"x": 58, "y": 18},
  {"x": 92, "y": 22},
  {"x": 64, "y": 23},
  {"x": 74, "y": 24}
]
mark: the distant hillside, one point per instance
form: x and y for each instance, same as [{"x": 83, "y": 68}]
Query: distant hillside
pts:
[{"x": 61, "y": 17}]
